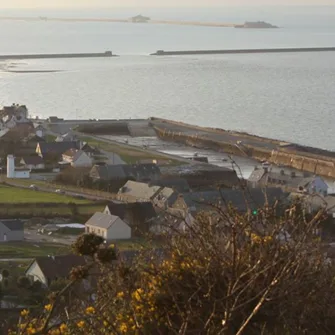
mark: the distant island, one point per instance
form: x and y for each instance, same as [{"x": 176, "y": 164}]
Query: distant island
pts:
[
  {"x": 256, "y": 25},
  {"x": 140, "y": 19}
]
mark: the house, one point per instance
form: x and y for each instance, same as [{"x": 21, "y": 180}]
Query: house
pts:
[
  {"x": 16, "y": 172},
  {"x": 139, "y": 215},
  {"x": 110, "y": 227},
  {"x": 33, "y": 162},
  {"x": 39, "y": 130},
  {"x": 134, "y": 191},
  {"x": 68, "y": 137},
  {"x": 54, "y": 149},
  {"x": 50, "y": 268},
  {"x": 312, "y": 185},
  {"x": 243, "y": 201},
  {"x": 178, "y": 184},
  {"x": 262, "y": 177},
  {"x": 139, "y": 172},
  {"x": 77, "y": 158},
  {"x": 11, "y": 230}
]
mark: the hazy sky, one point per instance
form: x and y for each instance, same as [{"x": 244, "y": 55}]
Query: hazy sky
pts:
[{"x": 152, "y": 3}]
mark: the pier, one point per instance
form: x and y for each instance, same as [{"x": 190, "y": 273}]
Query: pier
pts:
[
  {"x": 240, "y": 51},
  {"x": 50, "y": 56}
]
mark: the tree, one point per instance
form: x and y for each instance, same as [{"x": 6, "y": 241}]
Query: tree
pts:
[
  {"x": 5, "y": 273},
  {"x": 227, "y": 273},
  {"x": 23, "y": 282}
]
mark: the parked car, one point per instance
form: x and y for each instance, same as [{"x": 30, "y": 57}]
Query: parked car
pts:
[
  {"x": 59, "y": 191},
  {"x": 33, "y": 187}
]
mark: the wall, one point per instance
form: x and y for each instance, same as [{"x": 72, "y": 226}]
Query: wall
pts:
[
  {"x": 22, "y": 174},
  {"x": 82, "y": 161},
  {"x": 35, "y": 273},
  {"x": 316, "y": 164},
  {"x": 119, "y": 231}
]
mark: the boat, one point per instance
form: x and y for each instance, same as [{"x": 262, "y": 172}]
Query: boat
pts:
[{"x": 256, "y": 25}]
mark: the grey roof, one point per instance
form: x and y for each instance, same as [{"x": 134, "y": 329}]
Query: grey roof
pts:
[
  {"x": 108, "y": 172},
  {"x": 139, "y": 190},
  {"x": 241, "y": 200},
  {"x": 141, "y": 172},
  {"x": 58, "y": 266},
  {"x": 56, "y": 147},
  {"x": 178, "y": 184},
  {"x": 257, "y": 175},
  {"x": 142, "y": 210},
  {"x": 13, "y": 225},
  {"x": 33, "y": 160},
  {"x": 101, "y": 220}
]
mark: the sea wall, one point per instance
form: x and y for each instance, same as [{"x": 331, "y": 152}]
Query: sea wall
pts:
[{"x": 320, "y": 165}]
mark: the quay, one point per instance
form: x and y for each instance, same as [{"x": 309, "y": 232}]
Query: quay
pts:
[
  {"x": 50, "y": 56},
  {"x": 303, "y": 158},
  {"x": 240, "y": 51}
]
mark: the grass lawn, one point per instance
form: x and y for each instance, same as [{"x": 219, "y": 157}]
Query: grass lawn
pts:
[
  {"x": 9, "y": 194},
  {"x": 40, "y": 210},
  {"x": 130, "y": 155},
  {"x": 31, "y": 250},
  {"x": 135, "y": 244}
]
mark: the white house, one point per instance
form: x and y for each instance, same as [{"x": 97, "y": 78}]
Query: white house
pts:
[
  {"x": 11, "y": 230},
  {"x": 14, "y": 172},
  {"x": 39, "y": 130},
  {"x": 49, "y": 268},
  {"x": 313, "y": 185},
  {"x": 33, "y": 162},
  {"x": 110, "y": 227},
  {"x": 77, "y": 158}
]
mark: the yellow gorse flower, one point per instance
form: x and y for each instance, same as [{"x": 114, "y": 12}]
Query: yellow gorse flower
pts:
[
  {"x": 63, "y": 327},
  {"x": 81, "y": 324},
  {"x": 24, "y": 313},
  {"x": 120, "y": 295},
  {"x": 48, "y": 307},
  {"x": 90, "y": 310},
  {"x": 123, "y": 328}
]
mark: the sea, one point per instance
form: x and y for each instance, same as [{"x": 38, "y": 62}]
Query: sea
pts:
[{"x": 284, "y": 96}]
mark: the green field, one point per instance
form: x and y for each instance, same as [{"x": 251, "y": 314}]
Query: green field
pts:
[
  {"x": 31, "y": 250},
  {"x": 9, "y": 194}
]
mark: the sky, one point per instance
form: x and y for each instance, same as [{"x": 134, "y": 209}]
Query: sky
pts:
[{"x": 152, "y": 3}]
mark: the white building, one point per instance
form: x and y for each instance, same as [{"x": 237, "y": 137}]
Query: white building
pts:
[
  {"x": 77, "y": 158},
  {"x": 16, "y": 173},
  {"x": 110, "y": 227}
]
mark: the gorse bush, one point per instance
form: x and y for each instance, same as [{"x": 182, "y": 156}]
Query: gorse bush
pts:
[{"x": 226, "y": 273}]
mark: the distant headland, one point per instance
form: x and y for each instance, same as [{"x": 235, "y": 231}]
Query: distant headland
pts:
[{"x": 256, "y": 25}]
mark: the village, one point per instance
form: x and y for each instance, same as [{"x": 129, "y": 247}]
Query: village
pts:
[{"x": 60, "y": 179}]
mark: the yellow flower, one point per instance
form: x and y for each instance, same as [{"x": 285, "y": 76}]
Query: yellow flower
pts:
[
  {"x": 81, "y": 324},
  {"x": 90, "y": 310},
  {"x": 106, "y": 323},
  {"x": 48, "y": 307},
  {"x": 63, "y": 327},
  {"x": 137, "y": 295},
  {"x": 123, "y": 328},
  {"x": 24, "y": 313},
  {"x": 120, "y": 295},
  {"x": 31, "y": 331}
]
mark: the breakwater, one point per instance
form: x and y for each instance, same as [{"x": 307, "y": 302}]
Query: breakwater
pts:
[
  {"x": 240, "y": 51},
  {"x": 240, "y": 144},
  {"x": 70, "y": 55}
]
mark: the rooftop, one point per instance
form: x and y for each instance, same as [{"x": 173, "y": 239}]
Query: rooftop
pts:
[{"x": 102, "y": 220}]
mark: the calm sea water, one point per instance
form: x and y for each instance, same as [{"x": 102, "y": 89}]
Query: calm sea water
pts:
[{"x": 286, "y": 96}]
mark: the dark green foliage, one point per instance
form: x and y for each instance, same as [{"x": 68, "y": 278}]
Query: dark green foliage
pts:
[{"x": 87, "y": 244}]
